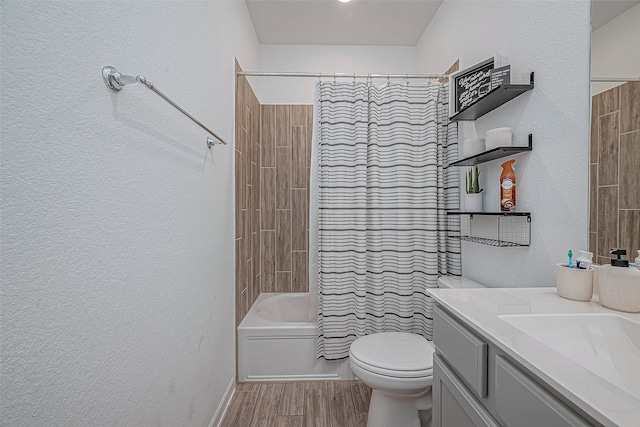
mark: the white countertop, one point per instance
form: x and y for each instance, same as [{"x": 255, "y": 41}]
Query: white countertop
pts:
[{"x": 611, "y": 397}]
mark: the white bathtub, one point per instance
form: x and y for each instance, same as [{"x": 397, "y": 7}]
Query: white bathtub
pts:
[{"x": 277, "y": 342}]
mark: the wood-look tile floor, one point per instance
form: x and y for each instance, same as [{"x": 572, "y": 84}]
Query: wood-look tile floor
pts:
[{"x": 299, "y": 404}]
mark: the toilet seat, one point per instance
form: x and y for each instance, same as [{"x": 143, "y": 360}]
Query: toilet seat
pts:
[
  {"x": 394, "y": 354},
  {"x": 426, "y": 373}
]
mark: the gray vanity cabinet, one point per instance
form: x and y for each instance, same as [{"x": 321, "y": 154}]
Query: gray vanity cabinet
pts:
[{"x": 476, "y": 385}]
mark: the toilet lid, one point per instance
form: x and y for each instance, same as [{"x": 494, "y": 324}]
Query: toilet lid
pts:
[{"x": 394, "y": 353}]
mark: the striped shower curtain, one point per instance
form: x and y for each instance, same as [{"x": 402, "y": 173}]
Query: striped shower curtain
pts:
[{"x": 383, "y": 190}]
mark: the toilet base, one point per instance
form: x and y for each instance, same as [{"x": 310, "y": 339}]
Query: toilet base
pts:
[{"x": 391, "y": 410}]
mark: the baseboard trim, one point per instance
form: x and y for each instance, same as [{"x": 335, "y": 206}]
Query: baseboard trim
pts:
[
  {"x": 309, "y": 377},
  {"x": 218, "y": 416}
]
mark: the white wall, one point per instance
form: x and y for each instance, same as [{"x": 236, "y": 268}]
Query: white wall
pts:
[
  {"x": 325, "y": 59},
  {"x": 117, "y": 223},
  {"x": 614, "y": 49},
  {"x": 552, "y": 39}
]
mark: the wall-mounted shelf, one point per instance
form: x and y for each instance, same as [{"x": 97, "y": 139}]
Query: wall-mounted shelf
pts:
[
  {"x": 505, "y": 213},
  {"x": 492, "y": 100},
  {"x": 496, "y": 153},
  {"x": 513, "y": 229}
]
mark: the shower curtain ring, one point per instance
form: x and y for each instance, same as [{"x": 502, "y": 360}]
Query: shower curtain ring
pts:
[{"x": 354, "y": 79}]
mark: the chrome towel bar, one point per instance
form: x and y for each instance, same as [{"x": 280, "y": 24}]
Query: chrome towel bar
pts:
[{"x": 115, "y": 81}]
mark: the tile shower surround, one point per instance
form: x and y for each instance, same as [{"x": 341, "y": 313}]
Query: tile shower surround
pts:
[
  {"x": 247, "y": 204},
  {"x": 272, "y": 156},
  {"x": 614, "y": 205}
]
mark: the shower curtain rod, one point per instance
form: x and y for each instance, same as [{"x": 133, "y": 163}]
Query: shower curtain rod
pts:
[
  {"x": 615, "y": 79},
  {"x": 342, "y": 75}
]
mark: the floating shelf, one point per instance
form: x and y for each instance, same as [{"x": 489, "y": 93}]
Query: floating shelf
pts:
[
  {"x": 492, "y": 100},
  {"x": 513, "y": 229},
  {"x": 496, "y": 153},
  {"x": 510, "y": 213},
  {"x": 491, "y": 242}
]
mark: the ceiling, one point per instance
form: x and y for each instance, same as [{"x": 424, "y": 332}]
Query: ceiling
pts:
[
  {"x": 366, "y": 22},
  {"x": 361, "y": 22},
  {"x": 603, "y": 11}
]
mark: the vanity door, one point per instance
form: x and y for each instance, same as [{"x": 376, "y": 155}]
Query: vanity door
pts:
[
  {"x": 521, "y": 402},
  {"x": 453, "y": 404}
]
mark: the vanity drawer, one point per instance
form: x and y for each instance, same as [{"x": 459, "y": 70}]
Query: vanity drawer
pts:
[
  {"x": 463, "y": 350},
  {"x": 521, "y": 402}
]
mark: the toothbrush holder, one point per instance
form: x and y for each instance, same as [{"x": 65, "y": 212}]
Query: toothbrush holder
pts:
[{"x": 573, "y": 283}]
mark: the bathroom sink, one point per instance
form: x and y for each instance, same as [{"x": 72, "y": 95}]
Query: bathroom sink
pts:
[{"x": 606, "y": 344}]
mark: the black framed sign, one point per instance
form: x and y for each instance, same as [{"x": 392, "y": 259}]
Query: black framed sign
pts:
[{"x": 468, "y": 85}]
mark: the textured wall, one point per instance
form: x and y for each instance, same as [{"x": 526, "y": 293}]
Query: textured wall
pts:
[
  {"x": 552, "y": 179},
  {"x": 614, "y": 202},
  {"x": 117, "y": 223}
]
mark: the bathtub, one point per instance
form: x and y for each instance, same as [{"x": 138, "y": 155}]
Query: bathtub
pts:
[{"x": 277, "y": 342}]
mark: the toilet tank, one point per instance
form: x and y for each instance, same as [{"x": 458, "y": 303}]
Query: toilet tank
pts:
[{"x": 457, "y": 282}]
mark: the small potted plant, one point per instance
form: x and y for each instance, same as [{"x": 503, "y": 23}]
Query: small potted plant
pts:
[{"x": 473, "y": 198}]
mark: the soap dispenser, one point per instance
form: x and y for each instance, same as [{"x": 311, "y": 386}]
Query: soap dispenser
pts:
[{"x": 619, "y": 285}]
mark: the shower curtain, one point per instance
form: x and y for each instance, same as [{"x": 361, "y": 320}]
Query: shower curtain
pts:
[{"x": 382, "y": 189}]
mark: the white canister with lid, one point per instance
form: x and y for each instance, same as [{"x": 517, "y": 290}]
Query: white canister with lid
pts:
[
  {"x": 498, "y": 137},
  {"x": 473, "y": 146},
  {"x": 619, "y": 285}
]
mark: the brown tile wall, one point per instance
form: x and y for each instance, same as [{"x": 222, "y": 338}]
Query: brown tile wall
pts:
[
  {"x": 284, "y": 197},
  {"x": 247, "y": 185},
  {"x": 272, "y": 159},
  {"x": 614, "y": 208}
]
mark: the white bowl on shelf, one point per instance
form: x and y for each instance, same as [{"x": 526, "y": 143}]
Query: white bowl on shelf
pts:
[
  {"x": 498, "y": 137},
  {"x": 473, "y": 146}
]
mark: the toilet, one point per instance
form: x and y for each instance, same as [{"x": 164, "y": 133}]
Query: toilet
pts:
[{"x": 398, "y": 367}]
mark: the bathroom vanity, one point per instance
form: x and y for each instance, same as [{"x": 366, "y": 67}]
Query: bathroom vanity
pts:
[{"x": 529, "y": 358}]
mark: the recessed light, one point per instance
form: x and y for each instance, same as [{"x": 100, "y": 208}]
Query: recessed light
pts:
[{"x": 344, "y": 1}]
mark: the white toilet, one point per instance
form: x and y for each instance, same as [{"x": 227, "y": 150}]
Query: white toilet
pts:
[{"x": 398, "y": 366}]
